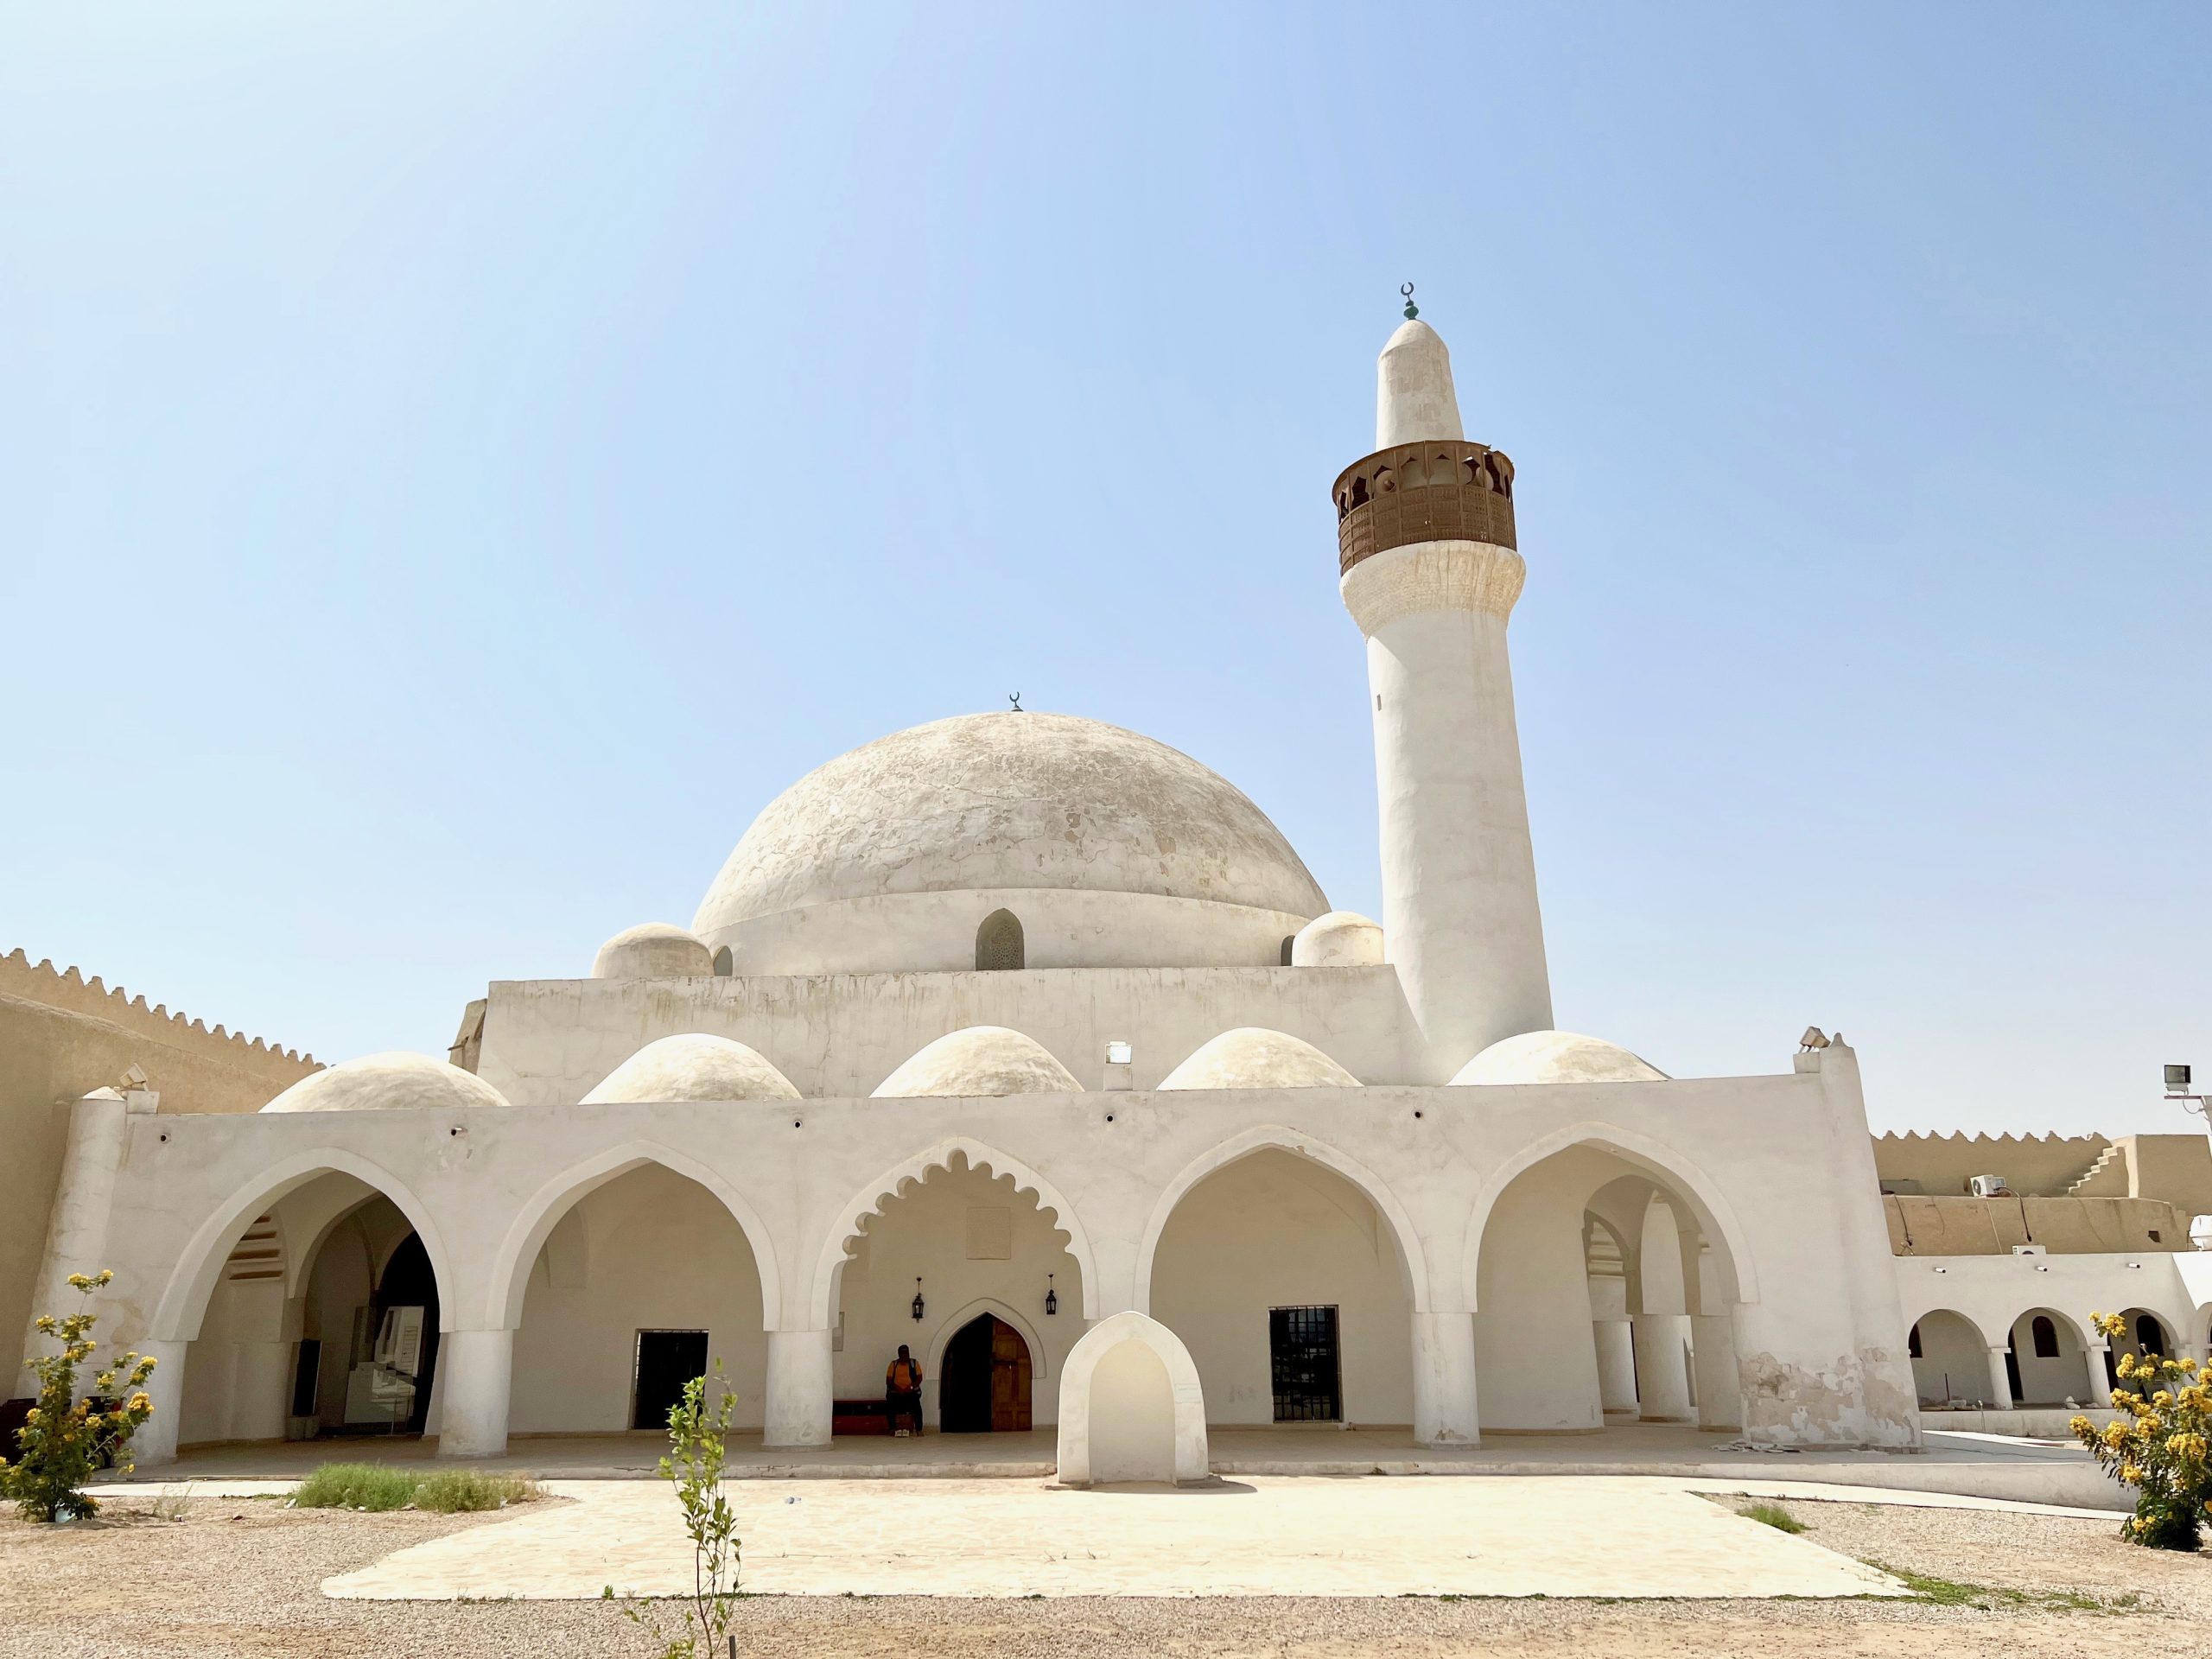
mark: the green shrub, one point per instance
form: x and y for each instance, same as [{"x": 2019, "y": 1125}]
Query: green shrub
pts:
[
  {"x": 1772, "y": 1514},
  {"x": 357, "y": 1487},
  {"x": 63, "y": 1438},
  {"x": 694, "y": 1464},
  {"x": 453, "y": 1491},
  {"x": 2162, "y": 1446}
]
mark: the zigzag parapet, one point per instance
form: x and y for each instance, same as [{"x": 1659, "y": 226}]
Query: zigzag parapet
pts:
[
  {"x": 2043, "y": 1165},
  {"x": 42, "y": 983}
]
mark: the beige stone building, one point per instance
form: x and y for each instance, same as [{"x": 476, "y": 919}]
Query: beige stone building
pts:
[{"x": 63, "y": 1036}]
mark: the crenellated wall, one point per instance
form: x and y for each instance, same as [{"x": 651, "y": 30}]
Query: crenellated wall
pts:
[
  {"x": 2040, "y": 1165},
  {"x": 62, "y": 1036}
]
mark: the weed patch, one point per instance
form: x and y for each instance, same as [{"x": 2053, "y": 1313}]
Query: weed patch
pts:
[
  {"x": 457, "y": 1491},
  {"x": 356, "y": 1486},
  {"x": 1773, "y": 1515},
  {"x": 1994, "y": 1597}
]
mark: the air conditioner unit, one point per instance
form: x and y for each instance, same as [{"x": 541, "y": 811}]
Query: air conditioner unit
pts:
[
  {"x": 1988, "y": 1187},
  {"x": 2029, "y": 1250}
]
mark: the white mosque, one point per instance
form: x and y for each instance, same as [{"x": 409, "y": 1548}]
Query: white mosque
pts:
[{"x": 1029, "y": 1042}]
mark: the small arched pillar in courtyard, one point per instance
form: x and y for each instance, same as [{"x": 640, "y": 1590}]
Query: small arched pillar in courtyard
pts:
[{"x": 1131, "y": 1407}]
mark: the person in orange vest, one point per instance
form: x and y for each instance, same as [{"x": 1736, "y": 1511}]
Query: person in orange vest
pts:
[{"x": 902, "y": 1391}]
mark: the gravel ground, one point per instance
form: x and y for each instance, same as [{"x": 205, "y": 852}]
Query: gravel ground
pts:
[{"x": 240, "y": 1577}]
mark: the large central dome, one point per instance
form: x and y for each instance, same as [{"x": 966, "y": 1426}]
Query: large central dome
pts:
[{"x": 1012, "y": 806}]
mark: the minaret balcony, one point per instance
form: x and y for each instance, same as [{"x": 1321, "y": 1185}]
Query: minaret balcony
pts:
[{"x": 1433, "y": 491}]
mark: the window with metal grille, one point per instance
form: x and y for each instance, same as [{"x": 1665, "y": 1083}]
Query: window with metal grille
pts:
[
  {"x": 998, "y": 942},
  {"x": 1302, "y": 1357}
]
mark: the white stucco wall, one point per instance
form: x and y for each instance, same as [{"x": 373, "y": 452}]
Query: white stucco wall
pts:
[
  {"x": 1762, "y": 1163},
  {"x": 1276, "y": 1230},
  {"x": 907, "y": 932},
  {"x": 547, "y": 1042},
  {"x": 648, "y": 1251},
  {"x": 1999, "y": 1295}
]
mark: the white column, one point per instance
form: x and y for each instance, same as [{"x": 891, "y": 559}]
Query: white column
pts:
[
  {"x": 1616, "y": 1367},
  {"x": 1460, "y": 920},
  {"x": 475, "y": 1378},
  {"x": 799, "y": 1391},
  {"x": 1444, "y": 1380},
  {"x": 1662, "y": 1373},
  {"x": 155, "y": 1440},
  {"x": 1459, "y": 916},
  {"x": 1720, "y": 1382},
  {"x": 2000, "y": 1380},
  {"x": 76, "y": 1228}
]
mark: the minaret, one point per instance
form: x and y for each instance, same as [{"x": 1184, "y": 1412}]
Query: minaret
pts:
[{"x": 1426, "y": 549}]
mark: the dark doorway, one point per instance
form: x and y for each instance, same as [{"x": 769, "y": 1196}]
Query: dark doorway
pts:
[
  {"x": 1302, "y": 1355},
  {"x": 408, "y": 1283},
  {"x": 984, "y": 1388},
  {"x": 667, "y": 1360}
]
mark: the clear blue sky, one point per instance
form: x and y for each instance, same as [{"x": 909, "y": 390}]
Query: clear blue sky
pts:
[{"x": 456, "y": 464}]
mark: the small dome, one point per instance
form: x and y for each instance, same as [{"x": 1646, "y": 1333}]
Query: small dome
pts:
[
  {"x": 980, "y": 1060},
  {"x": 396, "y": 1080},
  {"x": 1252, "y": 1057},
  {"x": 1557, "y": 1057},
  {"x": 1343, "y": 938},
  {"x": 653, "y": 950},
  {"x": 694, "y": 1066}
]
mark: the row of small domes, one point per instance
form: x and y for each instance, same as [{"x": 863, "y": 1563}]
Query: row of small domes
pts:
[{"x": 975, "y": 1062}]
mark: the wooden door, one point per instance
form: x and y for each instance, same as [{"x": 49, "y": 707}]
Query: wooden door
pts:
[{"x": 1009, "y": 1379}]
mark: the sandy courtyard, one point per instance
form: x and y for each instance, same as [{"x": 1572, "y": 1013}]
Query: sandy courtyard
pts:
[{"x": 240, "y": 1577}]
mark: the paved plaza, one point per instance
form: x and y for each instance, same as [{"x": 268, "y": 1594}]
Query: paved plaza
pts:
[{"x": 1270, "y": 1536}]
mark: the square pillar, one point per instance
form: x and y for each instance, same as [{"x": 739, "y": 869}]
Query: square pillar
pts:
[
  {"x": 1663, "y": 1372},
  {"x": 2000, "y": 1381},
  {"x": 799, "y": 1390},
  {"x": 1616, "y": 1367},
  {"x": 1719, "y": 1379},
  {"x": 475, "y": 1377},
  {"x": 155, "y": 1440},
  {"x": 1444, "y": 1380}
]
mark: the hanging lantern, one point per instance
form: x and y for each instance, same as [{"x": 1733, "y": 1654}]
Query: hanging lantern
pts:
[
  {"x": 1052, "y": 1298},
  {"x": 918, "y": 1298}
]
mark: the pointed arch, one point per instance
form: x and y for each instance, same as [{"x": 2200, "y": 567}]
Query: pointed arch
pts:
[
  {"x": 183, "y": 1301},
  {"x": 934, "y": 1361},
  {"x": 1673, "y": 1171},
  {"x": 1278, "y": 1137},
  {"x": 518, "y": 1253},
  {"x": 869, "y": 1201}
]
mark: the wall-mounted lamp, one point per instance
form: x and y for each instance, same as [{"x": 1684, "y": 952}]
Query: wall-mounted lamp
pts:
[
  {"x": 918, "y": 1298},
  {"x": 1052, "y": 1298}
]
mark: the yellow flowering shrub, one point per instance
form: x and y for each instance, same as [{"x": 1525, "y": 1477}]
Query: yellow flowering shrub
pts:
[
  {"x": 2161, "y": 1446},
  {"x": 64, "y": 1438}
]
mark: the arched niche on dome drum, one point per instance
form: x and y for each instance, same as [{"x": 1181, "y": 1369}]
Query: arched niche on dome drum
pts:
[
  {"x": 1288, "y": 940},
  {"x": 998, "y": 942},
  {"x": 725, "y": 963}
]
